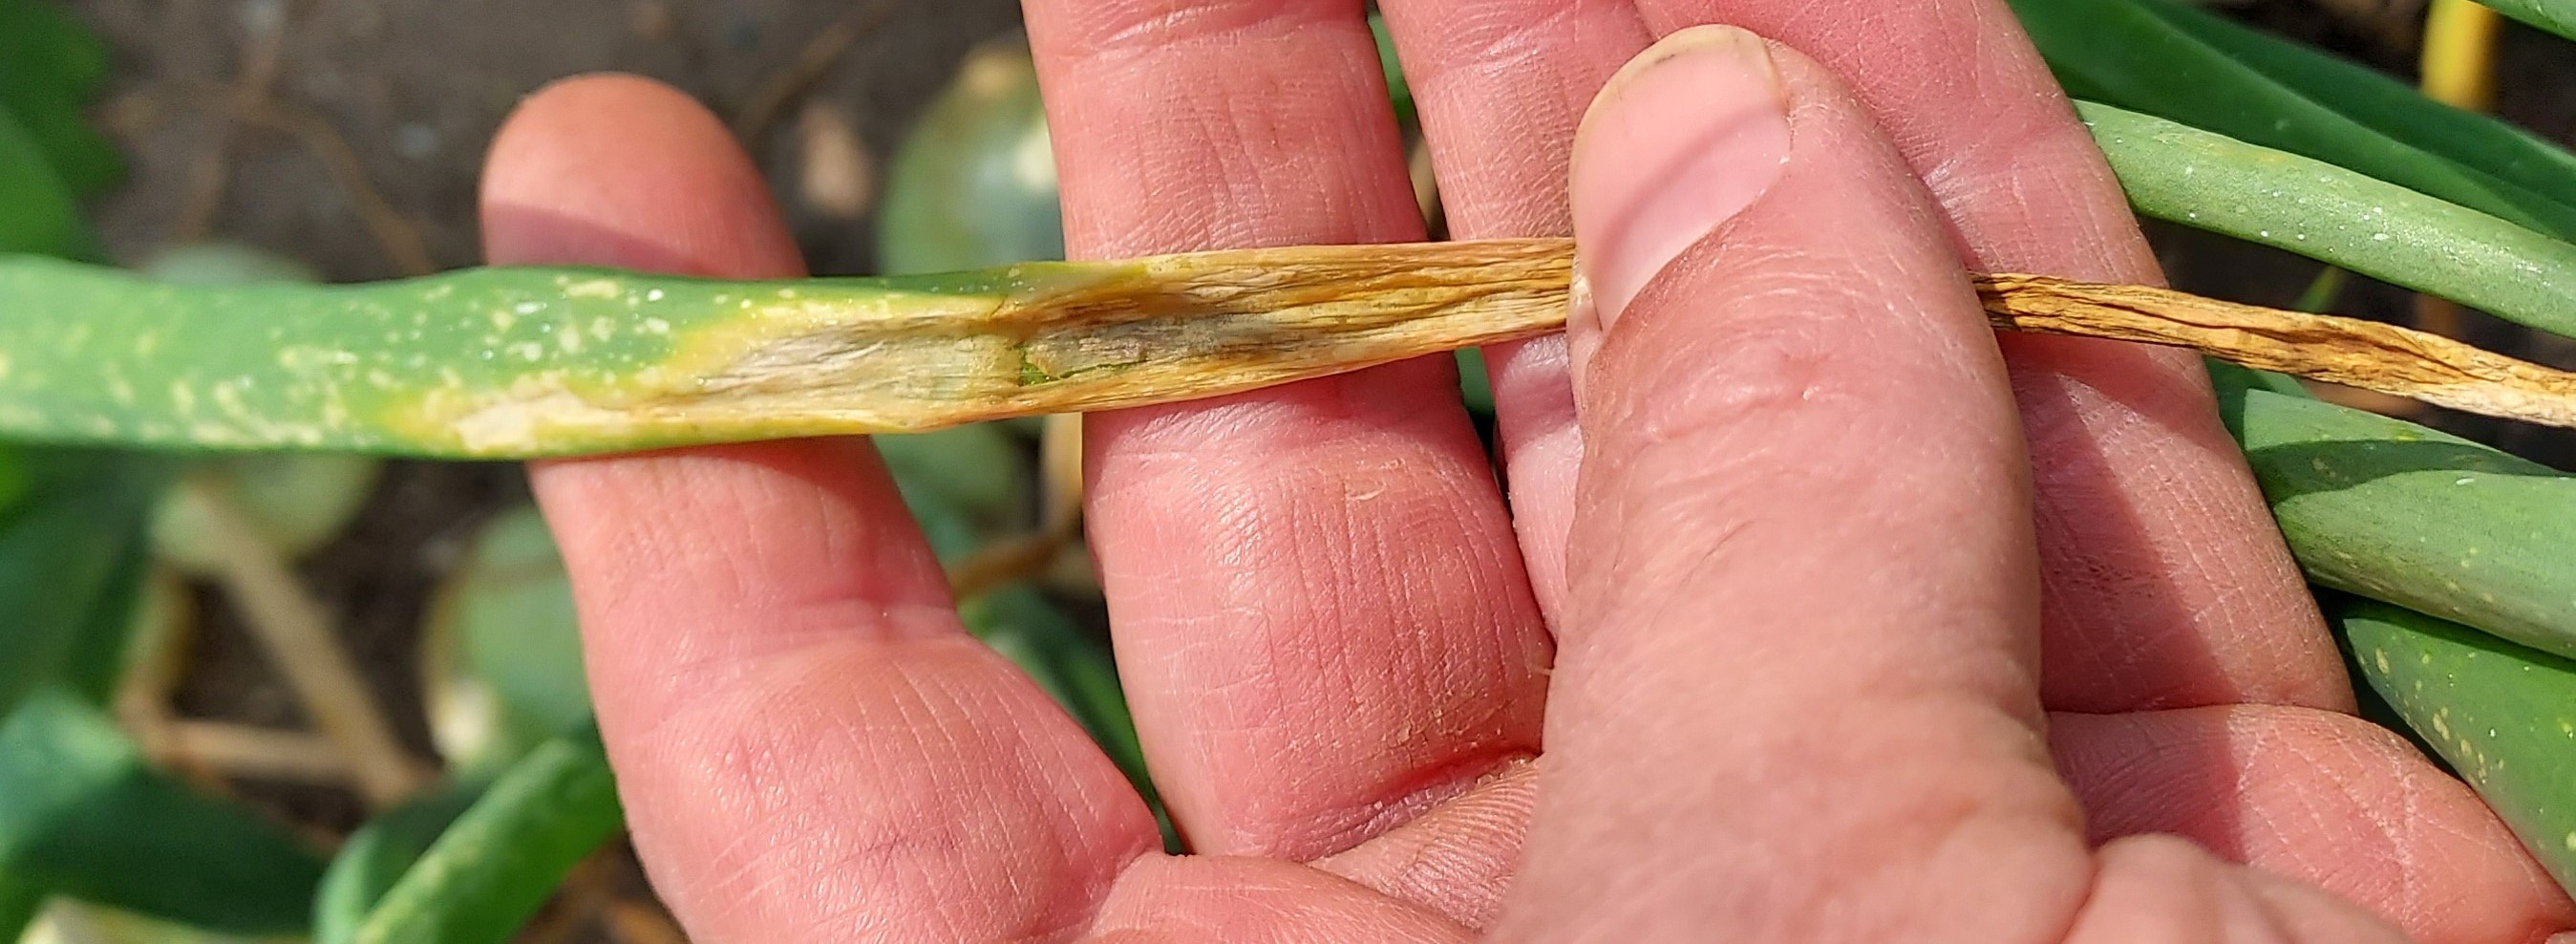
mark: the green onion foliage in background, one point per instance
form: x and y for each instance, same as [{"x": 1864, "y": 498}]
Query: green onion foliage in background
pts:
[
  {"x": 81, "y": 813},
  {"x": 2445, "y": 565},
  {"x": 2556, "y": 16},
  {"x": 2182, "y": 64}
]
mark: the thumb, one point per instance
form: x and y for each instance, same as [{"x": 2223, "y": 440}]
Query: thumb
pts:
[{"x": 1796, "y": 688}]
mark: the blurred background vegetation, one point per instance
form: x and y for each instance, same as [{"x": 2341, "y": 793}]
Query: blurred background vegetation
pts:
[{"x": 326, "y": 660}]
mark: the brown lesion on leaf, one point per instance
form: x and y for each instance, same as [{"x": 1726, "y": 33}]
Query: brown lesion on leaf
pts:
[{"x": 1084, "y": 338}]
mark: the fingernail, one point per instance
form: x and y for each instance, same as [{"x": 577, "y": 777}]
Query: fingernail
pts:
[{"x": 1683, "y": 138}]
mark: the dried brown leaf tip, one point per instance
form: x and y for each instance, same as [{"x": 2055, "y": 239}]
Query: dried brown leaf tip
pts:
[
  {"x": 2348, "y": 351},
  {"x": 1422, "y": 299}
]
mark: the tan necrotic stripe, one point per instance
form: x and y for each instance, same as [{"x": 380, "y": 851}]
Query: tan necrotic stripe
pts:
[{"x": 1198, "y": 324}]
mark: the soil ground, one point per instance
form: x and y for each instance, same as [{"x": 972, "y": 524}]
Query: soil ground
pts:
[{"x": 255, "y": 120}]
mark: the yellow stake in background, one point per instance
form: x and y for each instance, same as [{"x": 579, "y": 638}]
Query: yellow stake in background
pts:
[{"x": 2459, "y": 54}]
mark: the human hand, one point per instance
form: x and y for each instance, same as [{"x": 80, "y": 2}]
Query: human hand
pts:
[{"x": 1799, "y": 689}]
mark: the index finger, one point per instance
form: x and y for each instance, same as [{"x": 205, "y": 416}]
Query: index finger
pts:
[{"x": 1321, "y": 616}]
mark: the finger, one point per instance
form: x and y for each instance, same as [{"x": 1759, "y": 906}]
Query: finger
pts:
[
  {"x": 1500, "y": 85},
  {"x": 2166, "y": 583},
  {"x": 2158, "y": 888},
  {"x": 1242, "y": 900},
  {"x": 2319, "y": 798},
  {"x": 1457, "y": 859},
  {"x": 1795, "y": 694},
  {"x": 808, "y": 745},
  {"x": 1321, "y": 616}
]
